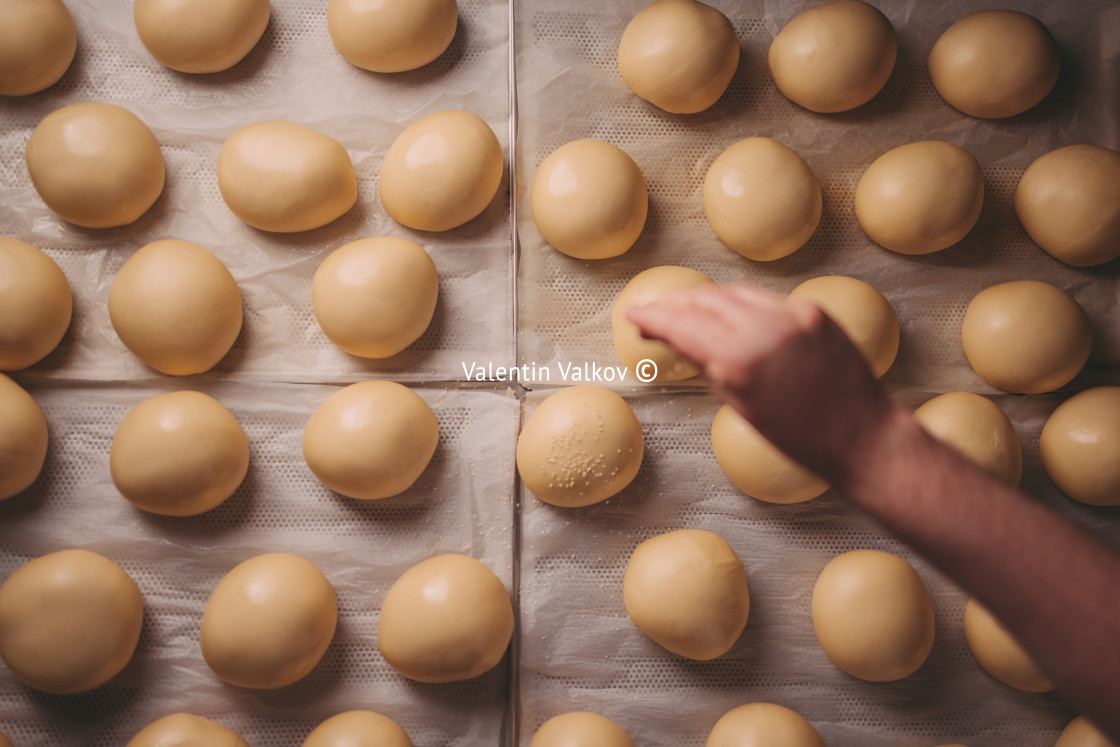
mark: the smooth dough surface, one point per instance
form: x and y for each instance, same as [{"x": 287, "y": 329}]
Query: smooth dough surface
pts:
[
  {"x": 370, "y": 440},
  {"x": 1026, "y": 336},
  {"x": 834, "y": 57},
  {"x": 999, "y": 654},
  {"x": 186, "y": 730},
  {"x": 872, "y": 615},
  {"x": 756, "y": 466},
  {"x": 200, "y": 36},
  {"x": 358, "y": 729},
  {"x": 679, "y": 55},
  {"x": 447, "y": 618},
  {"x": 589, "y": 200},
  {"x": 391, "y": 36},
  {"x": 687, "y": 590},
  {"x": 37, "y": 44},
  {"x": 1069, "y": 203},
  {"x": 442, "y": 171},
  {"x": 96, "y": 165},
  {"x": 178, "y": 454},
  {"x": 763, "y": 725},
  {"x": 23, "y": 438},
  {"x": 1080, "y": 446},
  {"x": 580, "y": 729},
  {"x": 864, "y": 314},
  {"x": 176, "y": 307},
  {"x": 283, "y": 177},
  {"x": 268, "y": 622},
  {"x": 375, "y": 297},
  {"x": 5, "y": 742},
  {"x": 646, "y": 287},
  {"x": 1081, "y": 733},
  {"x": 762, "y": 199},
  {"x": 977, "y": 428},
  {"x": 580, "y": 446},
  {"x": 35, "y": 304},
  {"x": 995, "y": 63},
  {"x": 69, "y": 621},
  {"x": 920, "y": 197}
]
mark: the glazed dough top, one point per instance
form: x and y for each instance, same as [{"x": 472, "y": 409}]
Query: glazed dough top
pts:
[
  {"x": 35, "y": 305},
  {"x": 23, "y": 438},
  {"x": 763, "y": 724},
  {"x": 358, "y": 729},
  {"x": 37, "y": 44},
  {"x": 978, "y": 429},
  {"x": 390, "y": 37},
  {"x": 186, "y": 730},
  {"x": 1080, "y": 446},
  {"x": 580, "y": 729},
  {"x": 200, "y": 36}
]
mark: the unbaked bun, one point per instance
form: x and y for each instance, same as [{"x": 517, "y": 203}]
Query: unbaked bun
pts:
[
  {"x": 999, "y": 654},
  {"x": 1080, "y": 446},
  {"x": 186, "y": 730},
  {"x": 392, "y": 35},
  {"x": 978, "y": 429},
  {"x": 23, "y": 438},
  {"x": 200, "y": 36},
  {"x": 580, "y": 729},
  {"x": 358, "y": 729},
  {"x": 864, "y": 314},
  {"x": 37, "y": 44},
  {"x": 761, "y": 725},
  {"x": 35, "y": 305},
  {"x": 1081, "y": 733}
]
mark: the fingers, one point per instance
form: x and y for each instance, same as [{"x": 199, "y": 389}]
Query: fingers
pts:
[{"x": 696, "y": 332}]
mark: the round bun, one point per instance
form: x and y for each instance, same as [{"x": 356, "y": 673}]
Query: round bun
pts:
[
  {"x": 995, "y": 63},
  {"x": 37, "y": 44},
  {"x": 999, "y": 654},
  {"x": 920, "y": 198},
  {"x": 96, "y": 165},
  {"x": 1069, "y": 202},
  {"x": 688, "y": 592},
  {"x": 864, "y": 314},
  {"x": 1081, "y": 733},
  {"x": 176, "y": 307},
  {"x": 834, "y": 57},
  {"x": 35, "y": 305},
  {"x": 679, "y": 55},
  {"x": 442, "y": 171},
  {"x": 589, "y": 200},
  {"x": 186, "y": 730},
  {"x": 580, "y": 729},
  {"x": 375, "y": 297},
  {"x": 1026, "y": 336},
  {"x": 358, "y": 729},
  {"x": 200, "y": 36},
  {"x": 390, "y": 37},
  {"x": 23, "y": 439},
  {"x": 762, "y": 199},
  {"x": 872, "y": 615},
  {"x": 758, "y": 724},
  {"x": 446, "y": 619},
  {"x": 268, "y": 622},
  {"x": 69, "y": 621},
  {"x": 978, "y": 429},
  {"x": 1080, "y": 446}
]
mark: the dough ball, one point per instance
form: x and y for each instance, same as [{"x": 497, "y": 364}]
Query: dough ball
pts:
[
  {"x": 1080, "y": 446},
  {"x": 392, "y": 35},
  {"x": 96, "y": 165},
  {"x": 679, "y": 55},
  {"x": 834, "y": 57},
  {"x": 763, "y": 724},
  {"x": 762, "y": 199},
  {"x": 580, "y": 446},
  {"x": 995, "y": 63},
  {"x": 284, "y": 177},
  {"x": 69, "y": 621},
  {"x": 999, "y": 654},
  {"x": 580, "y": 729},
  {"x": 1069, "y": 202},
  {"x": 178, "y": 454},
  {"x": 186, "y": 730},
  {"x": 589, "y": 200},
  {"x": 5, "y": 742},
  {"x": 200, "y": 36},
  {"x": 446, "y": 619},
  {"x": 268, "y": 622},
  {"x": 872, "y": 615},
  {"x": 23, "y": 438},
  {"x": 442, "y": 171},
  {"x": 176, "y": 307},
  {"x": 370, "y": 440},
  {"x": 35, "y": 305},
  {"x": 864, "y": 314},
  {"x": 978, "y": 429},
  {"x": 358, "y": 729},
  {"x": 375, "y": 297},
  {"x": 1026, "y": 336},
  {"x": 688, "y": 592},
  {"x": 921, "y": 197},
  {"x": 756, "y": 466},
  {"x": 632, "y": 349},
  {"x": 37, "y": 44},
  {"x": 1081, "y": 733}
]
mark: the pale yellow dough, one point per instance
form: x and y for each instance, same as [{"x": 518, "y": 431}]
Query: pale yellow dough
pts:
[
  {"x": 23, "y": 438},
  {"x": 1080, "y": 446},
  {"x": 69, "y": 621},
  {"x": 978, "y": 429},
  {"x": 999, "y": 654},
  {"x": 200, "y": 36},
  {"x": 358, "y": 729},
  {"x": 390, "y": 36},
  {"x": 688, "y": 592},
  {"x": 35, "y": 305},
  {"x": 375, "y": 297},
  {"x": 1081, "y": 733},
  {"x": 872, "y": 615},
  {"x": 580, "y": 729},
  {"x": 96, "y": 165},
  {"x": 679, "y": 55},
  {"x": 370, "y": 440},
  {"x": 1026, "y": 336},
  {"x": 763, "y": 725},
  {"x": 176, "y": 307},
  {"x": 186, "y": 730},
  {"x": 5, "y": 742},
  {"x": 268, "y": 622},
  {"x": 446, "y": 619},
  {"x": 864, "y": 314},
  {"x": 589, "y": 200},
  {"x": 37, "y": 44}
]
